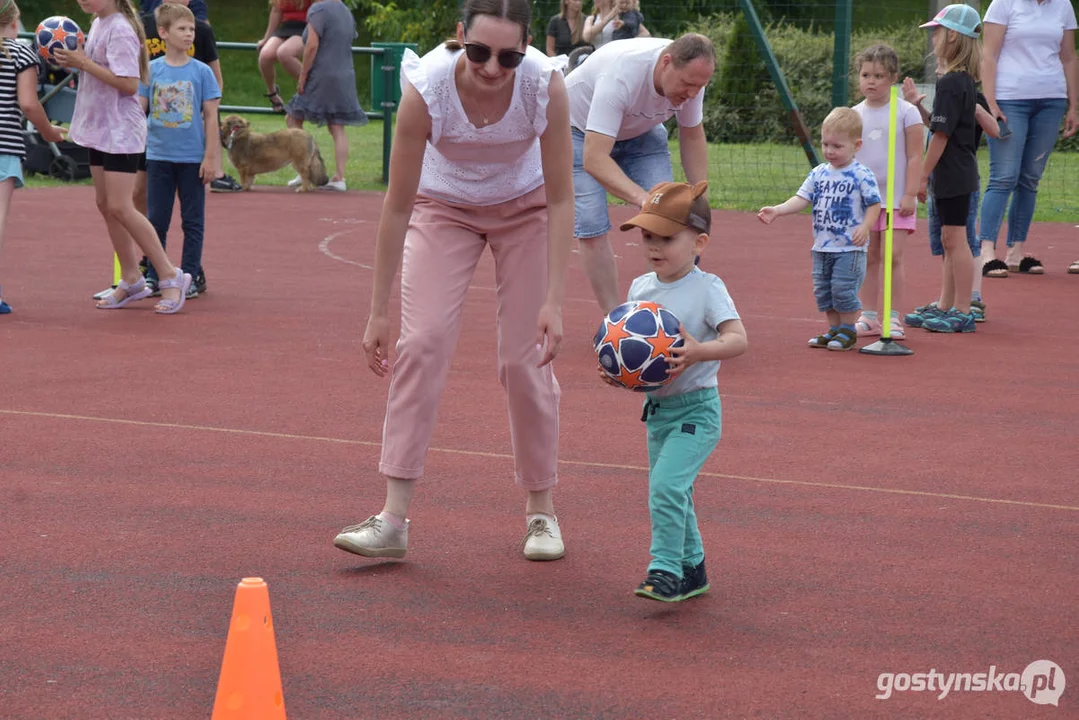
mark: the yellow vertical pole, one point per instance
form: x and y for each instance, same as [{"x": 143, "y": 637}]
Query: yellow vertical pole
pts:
[
  {"x": 886, "y": 256},
  {"x": 117, "y": 274}
]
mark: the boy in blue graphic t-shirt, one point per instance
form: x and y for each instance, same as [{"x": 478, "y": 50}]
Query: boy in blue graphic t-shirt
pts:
[
  {"x": 846, "y": 205},
  {"x": 183, "y": 140}
]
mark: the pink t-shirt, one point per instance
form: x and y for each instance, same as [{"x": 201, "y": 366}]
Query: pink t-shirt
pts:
[
  {"x": 104, "y": 119},
  {"x": 874, "y": 150}
]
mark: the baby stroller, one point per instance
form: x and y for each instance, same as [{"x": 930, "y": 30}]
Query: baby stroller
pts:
[
  {"x": 63, "y": 160},
  {"x": 578, "y": 56}
]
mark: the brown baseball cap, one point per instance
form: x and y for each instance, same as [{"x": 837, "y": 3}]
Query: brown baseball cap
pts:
[{"x": 672, "y": 207}]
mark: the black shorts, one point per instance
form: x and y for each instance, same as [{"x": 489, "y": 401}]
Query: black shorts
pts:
[
  {"x": 141, "y": 167},
  {"x": 289, "y": 28},
  {"x": 953, "y": 210},
  {"x": 115, "y": 162}
]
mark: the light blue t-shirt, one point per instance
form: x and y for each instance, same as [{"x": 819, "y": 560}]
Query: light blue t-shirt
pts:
[
  {"x": 701, "y": 301},
  {"x": 840, "y": 198},
  {"x": 175, "y": 131}
]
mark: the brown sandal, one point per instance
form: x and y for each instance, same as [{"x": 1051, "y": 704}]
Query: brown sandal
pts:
[{"x": 278, "y": 104}]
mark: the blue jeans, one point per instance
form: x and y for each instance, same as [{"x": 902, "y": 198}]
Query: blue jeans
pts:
[
  {"x": 837, "y": 278},
  {"x": 645, "y": 159},
  {"x": 1016, "y": 164},
  {"x": 683, "y": 431},
  {"x": 935, "y": 244},
  {"x": 163, "y": 181}
]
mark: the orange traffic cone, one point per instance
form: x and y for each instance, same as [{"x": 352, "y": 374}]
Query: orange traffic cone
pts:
[{"x": 250, "y": 684}]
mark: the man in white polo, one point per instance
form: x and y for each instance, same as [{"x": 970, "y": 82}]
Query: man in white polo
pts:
[{"x": 620, "y": 96}]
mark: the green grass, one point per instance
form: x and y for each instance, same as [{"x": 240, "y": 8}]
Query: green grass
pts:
[
  {"x": 233, "y": 21},
  {"x": 747, "y": 177},
  {"x": 741, "y": 177},
  {"x": 364, "y": 168},
  {"x": 363, "y": 172},
  {"x": 245, "y": 21}
]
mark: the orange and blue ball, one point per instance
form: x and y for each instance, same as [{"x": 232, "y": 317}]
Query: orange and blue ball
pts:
[
  {"x": 633, "y": 344},
  {"x": 57, "y": 33}
]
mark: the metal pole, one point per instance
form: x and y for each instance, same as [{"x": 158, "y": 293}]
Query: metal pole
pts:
[
  {"x": 780, "y": 81},
  {"x": 388, "y": 106},
  {"x": 841, "y": 57}
]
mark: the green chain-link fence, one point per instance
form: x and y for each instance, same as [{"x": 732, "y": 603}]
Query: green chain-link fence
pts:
[{"x": 757, "y": 156}]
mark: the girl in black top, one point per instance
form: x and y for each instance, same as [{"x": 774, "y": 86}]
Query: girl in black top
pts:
[
  {"x": 564, "y": 30},
  {"x": 951, "y": 160}
]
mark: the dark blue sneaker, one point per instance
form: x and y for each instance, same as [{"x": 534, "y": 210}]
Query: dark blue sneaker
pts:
[
  {"x": 694, "y": 581},
  {"x": 660, "y": 585},
  {"x": 952, "y": 321},
  {"x": 4, "y": 308},
  {"x": 917, "y": 318}
]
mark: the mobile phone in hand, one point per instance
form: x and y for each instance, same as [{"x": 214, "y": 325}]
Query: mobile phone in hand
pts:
[{"x": 1005, "y": 131}]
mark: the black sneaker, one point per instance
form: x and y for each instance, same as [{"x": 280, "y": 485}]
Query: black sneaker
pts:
[
  {"x": 694, "y": 581},
  {"x": 660, "y": 585},
  {"x": 225, "y": 183},
  {"x": 199, "y": 283}
]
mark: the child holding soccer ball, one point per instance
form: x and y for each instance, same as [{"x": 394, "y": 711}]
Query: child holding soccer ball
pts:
[
  {"x": 109, "y": 121},
  {"x": 18, "y": 89},
  {"x": 683, "y": 418}
]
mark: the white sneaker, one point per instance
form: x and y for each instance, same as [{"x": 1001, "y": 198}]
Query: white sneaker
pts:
[
  {"x": 374, "y": 537},
  {"x": 295, "y": 182},
  {"x": 335, "y": 185},
  {"x": 543, "y": 541}
]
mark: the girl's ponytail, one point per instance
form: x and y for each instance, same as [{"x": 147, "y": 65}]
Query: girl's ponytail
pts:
[
  {"x": 9, "y": 12},
  {"x": 128, "y": 11}
]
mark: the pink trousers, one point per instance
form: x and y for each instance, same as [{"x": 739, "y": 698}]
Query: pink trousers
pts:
[{"x": 443, "y": 244}]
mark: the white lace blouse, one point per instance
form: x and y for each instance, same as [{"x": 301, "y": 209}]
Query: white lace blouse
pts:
[{"x": 486, "y": 165}]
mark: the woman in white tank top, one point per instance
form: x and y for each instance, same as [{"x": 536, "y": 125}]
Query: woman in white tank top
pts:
[{"x": 481, "y": 156}]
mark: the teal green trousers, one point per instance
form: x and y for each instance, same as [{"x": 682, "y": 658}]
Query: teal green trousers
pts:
[{"x": 683, "y": 430}]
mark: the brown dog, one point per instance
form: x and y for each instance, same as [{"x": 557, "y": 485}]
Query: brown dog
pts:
[{"x": 252, "y": 153}]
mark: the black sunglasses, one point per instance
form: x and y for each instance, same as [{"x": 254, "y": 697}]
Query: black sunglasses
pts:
[{"x": 480, "y": 54}]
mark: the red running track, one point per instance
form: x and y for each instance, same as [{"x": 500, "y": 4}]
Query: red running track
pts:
[{"x": 862, "y": 515}]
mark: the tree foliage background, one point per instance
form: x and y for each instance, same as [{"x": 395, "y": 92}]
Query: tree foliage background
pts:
[{"x": 429, "y": 22}]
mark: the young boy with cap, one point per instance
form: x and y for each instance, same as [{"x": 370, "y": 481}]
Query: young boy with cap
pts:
[{"x": 683, "y": 418}]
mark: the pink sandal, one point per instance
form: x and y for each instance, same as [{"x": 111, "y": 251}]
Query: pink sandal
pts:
[
  {"x": 166, "y": 306},
  {"x": 135, "y": 291}
]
